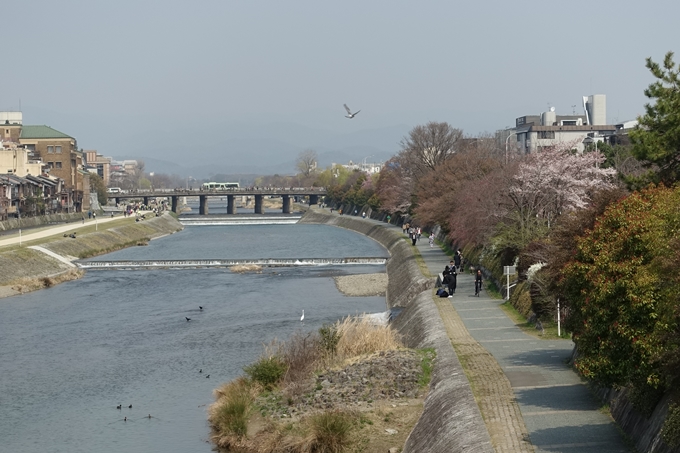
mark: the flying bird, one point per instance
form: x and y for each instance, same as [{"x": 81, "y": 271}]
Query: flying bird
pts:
[
  {"x": 200, "y": 308},
  {"x": 188, "y": 319},
  {"x": 302, "y": 318},
  {"x": 350, "y": 115}
]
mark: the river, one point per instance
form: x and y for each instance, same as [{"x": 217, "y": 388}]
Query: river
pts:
[{"x": 70, "y": 354}]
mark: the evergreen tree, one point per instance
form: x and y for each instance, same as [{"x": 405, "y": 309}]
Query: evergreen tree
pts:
[{"x": 657, "y": 139}]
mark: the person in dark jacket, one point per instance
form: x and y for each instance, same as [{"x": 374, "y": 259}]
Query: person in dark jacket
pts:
[{"x": 451, "y": 283}]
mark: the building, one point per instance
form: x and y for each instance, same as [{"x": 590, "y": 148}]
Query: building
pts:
[
  {"x": 57, "y": 152},
  {"x": 366, "y": 167},
  {"x": 549, "y": 129},
  {"x": 96, "y": 163}
]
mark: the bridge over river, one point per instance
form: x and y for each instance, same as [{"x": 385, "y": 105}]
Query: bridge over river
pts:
[{"x": 203, "y": 195}]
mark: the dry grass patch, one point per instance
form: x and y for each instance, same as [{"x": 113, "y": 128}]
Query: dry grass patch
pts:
[
  {"x": 28, "y": 284},
  {"x": 296, "y": 403},
  {"x": 360, "y": 336}
]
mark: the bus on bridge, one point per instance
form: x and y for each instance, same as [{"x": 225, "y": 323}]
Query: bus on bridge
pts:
[{"x": 220, "y": 186}]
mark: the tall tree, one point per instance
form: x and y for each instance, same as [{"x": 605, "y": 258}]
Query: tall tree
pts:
[
  {"x": 657, "y": 139},
  {"x": 426, "y": 147},
  {"x": 306, "y": 162}
]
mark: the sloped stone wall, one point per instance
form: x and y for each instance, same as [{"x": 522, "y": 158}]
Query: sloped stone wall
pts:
[{"x": 451, "y": 421}]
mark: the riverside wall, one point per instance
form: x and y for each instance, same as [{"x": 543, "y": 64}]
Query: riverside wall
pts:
[
  {"x": 25, "y": 222},
  {"x": 451, "y": 421},
  {"x": 25, "y": 263}
]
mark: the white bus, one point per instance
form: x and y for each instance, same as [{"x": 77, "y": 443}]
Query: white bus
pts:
[
  {"x": 220, "y": 186},
  {"x": 114, "y": 190}
]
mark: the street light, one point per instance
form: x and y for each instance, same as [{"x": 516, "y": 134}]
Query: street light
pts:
[
  {"x": 363, "y": 165},
  {"x": 506, "y": 146}
]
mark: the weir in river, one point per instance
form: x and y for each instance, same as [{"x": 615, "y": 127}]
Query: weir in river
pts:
[{"x": 193, "y": 264}]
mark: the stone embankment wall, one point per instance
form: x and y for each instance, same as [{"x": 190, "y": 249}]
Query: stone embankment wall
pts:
[
  {"x": 22, "y": 263},
  {"x": 25, "y": 222},
  {"x": 644, "y": 431},
  {"x": 451, "y": 421}
]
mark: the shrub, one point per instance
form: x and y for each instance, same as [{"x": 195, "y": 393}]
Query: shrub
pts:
[
  {"x": 521, "y": 299},
  {"x": 267, "y": 371},
  {"x": 671, "y": 426},
  {"x": 329, "y": 338},
  {"x": 229, "y": 415},
  {"x": 300, "y": 355},
  {"x": 330, "y": 431}
]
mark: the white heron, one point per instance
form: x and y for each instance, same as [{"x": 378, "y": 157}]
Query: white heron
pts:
[
  {"x": 302, "y": 318},
  {"x": 350, "y": 115}
]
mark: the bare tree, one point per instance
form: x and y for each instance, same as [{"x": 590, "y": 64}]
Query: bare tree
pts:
[
  {"x": 306, "y": 162},
  {"x": 428, "y": 146}
]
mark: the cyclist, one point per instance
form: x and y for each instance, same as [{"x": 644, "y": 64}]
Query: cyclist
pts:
[{"x": 478, "y": 282}]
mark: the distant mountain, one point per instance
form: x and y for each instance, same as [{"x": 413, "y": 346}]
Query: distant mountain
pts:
[{"x": 265, "y": 149}]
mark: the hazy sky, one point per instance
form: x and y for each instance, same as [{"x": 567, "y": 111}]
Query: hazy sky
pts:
[{"x": 109, "y": 72}]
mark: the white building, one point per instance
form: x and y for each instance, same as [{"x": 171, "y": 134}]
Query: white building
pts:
[
  {"x": 366, "y": 167},
  {"x": 548, "y": 129}
]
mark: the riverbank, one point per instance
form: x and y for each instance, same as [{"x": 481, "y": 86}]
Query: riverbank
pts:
[
  {"x": 24, "y": 269},
  {"x": 451, "y": 420}
]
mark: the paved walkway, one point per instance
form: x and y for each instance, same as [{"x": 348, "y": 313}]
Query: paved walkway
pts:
[
  {"x": 559, "y": 411},
  {"x": 47, "y": 231}
]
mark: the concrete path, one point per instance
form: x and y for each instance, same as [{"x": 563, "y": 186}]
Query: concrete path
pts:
[
  {"x": 14, "y": 238},
  {"x": 559, "y": 411}
]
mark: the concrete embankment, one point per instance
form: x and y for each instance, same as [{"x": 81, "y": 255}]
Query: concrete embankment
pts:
[
  {"x": 22, "y": 264},
  {"x": 451, "y": 421}
]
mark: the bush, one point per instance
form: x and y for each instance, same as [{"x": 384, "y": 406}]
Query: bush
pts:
[
  {"x": 300, "y": 355},
  {"x": 521, "y": 299},
  {"x": 267, "y": 371},
  {"x": 671, "y": 426},
  {"x": 329, "y": 338},
  {"x": 331, "y": 431},
  {"x": 229, "y": 415}
]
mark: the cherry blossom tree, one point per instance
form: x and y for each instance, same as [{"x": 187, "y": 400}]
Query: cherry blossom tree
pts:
[
  {"x": 554, "y": 181},
  {"x": 394, "y": 188}
]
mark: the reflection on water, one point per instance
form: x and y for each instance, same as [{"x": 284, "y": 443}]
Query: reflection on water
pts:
[{"x": 72, "y": 353}]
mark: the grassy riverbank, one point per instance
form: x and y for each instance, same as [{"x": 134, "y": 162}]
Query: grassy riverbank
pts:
[
  {"x": 23, "y": 269},
  {"x": 352, "y": 386}
]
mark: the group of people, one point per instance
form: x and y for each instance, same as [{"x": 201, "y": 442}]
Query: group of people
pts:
[
  {"x": 450, "y": 275},
  {"x": 414, "y": 233}
]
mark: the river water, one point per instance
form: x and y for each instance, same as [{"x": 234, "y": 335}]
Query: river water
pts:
[{"x": 70, "y": 354}]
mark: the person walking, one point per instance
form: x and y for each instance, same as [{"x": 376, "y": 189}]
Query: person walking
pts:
[
  {"x": 458, "y": 260},
  {"x": 431, "y": 239}
]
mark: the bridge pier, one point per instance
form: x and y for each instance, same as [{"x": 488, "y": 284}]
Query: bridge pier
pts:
[
  {"x": 286, "y": 203},
  {"x": 117, "y": 201},
  {"x": 146, "y": 201},
  {"x": 203, "y": 205},
  {"x": 313, "y": 199},
  {"x": 231, "y": 206},
  {"x": 259, "y": 209},
  {"x": 175, "y": 207}
]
